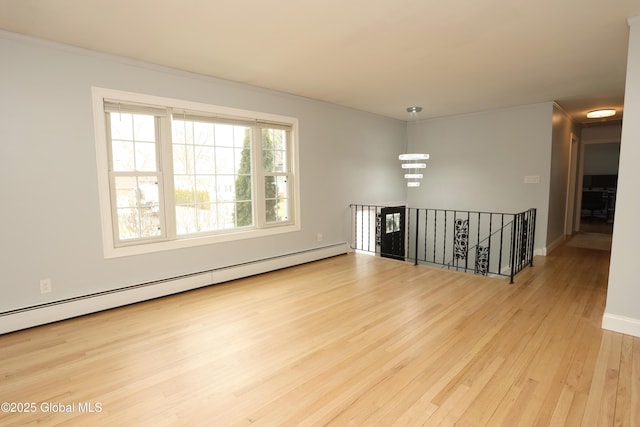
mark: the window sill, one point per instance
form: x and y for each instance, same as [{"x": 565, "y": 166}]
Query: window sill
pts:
[{"x": 146, "y": 248}]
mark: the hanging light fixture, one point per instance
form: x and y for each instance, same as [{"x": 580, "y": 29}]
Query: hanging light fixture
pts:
[{"x": 413, "y": 163}]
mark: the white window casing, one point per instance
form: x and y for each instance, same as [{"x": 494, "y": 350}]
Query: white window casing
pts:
[{"x": 161, "y": 213}]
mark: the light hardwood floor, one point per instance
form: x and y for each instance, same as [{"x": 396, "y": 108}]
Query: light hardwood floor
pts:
[{"x": 351, "y": 340}]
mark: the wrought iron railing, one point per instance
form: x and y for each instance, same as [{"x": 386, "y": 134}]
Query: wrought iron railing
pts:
[{"x": 485, "y": 243}]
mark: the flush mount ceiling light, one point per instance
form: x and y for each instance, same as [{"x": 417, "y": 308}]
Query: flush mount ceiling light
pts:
[
  {"x": 411, "y": 162},
  {"x": 600, "y": 114}
]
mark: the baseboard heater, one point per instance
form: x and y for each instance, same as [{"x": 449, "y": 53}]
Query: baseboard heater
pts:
[{"x": 26, "y": 317}]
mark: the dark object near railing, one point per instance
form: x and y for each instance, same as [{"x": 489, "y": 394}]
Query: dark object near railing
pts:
[{"x": 485, "y": 243}]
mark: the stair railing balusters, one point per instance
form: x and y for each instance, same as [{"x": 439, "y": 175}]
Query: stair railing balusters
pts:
[{"x": 465, "y": 242}]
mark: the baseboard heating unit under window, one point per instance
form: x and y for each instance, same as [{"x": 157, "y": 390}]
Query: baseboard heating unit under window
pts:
[{"x": 26, "y": 317}]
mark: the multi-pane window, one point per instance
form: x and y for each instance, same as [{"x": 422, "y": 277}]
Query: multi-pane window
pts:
[
  {"x": 177, "y": 173},
  {"x": 212, "y": 175},
  {"x": 274, "y": 163},
  {"x": 134, "y": 174}
]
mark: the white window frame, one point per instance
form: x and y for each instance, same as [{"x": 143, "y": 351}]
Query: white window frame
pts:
[{"x": 169, "y": 241}]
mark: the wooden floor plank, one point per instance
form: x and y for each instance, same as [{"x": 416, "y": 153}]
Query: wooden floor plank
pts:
[
  {"x": 635, "y": 385},
  {"x": 560, "y": 412},
  {"x": 601, "y": 404},
  {"x": 351, "y": 340},
  {"x": 623, "y": 406}
]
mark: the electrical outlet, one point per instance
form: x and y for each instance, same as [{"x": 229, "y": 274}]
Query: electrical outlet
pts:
[
  {"x": 45, "y": 286},
  {"x": 319, "y": 237}
]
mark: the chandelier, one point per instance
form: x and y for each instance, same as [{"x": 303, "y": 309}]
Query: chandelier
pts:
[{"x": 413, "y": 163}]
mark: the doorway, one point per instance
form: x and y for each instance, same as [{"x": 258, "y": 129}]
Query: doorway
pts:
[
  {"x": 599, "y": 186},
  {"x": 392, "y": 224}
]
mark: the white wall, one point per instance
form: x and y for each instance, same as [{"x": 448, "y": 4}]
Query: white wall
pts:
[
  {"x": 622, "y": 312},
  {"x": 479, "y": 161},
  {"x": 559, "y": 172},
  {"x": 601, "y": 149},
  {"x": 50, "y": 216},
  {"x": 601, "y": 159},
  {"x": 601, "y": 134}
]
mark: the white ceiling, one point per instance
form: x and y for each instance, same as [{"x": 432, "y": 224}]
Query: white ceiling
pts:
[{"x": 381, "y": 56}]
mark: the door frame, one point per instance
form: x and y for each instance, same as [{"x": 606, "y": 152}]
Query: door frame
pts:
[
  {"x": 397, "y": 251},
  {"x": 572, "y": 180},
  {"x": 580, "y": 177}
]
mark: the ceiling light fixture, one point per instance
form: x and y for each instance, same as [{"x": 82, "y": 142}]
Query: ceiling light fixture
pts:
[
  {"x": 600, "y": 114},
  {"x": 413, "y": 161}
]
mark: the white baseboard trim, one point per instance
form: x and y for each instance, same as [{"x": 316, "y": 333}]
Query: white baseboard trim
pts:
[
  {"x": 622, "y": 324},
  {"x": 547, "y": 250},
  {"x": 540, "y": 252},
  {"x": 559, "y": 241},
  {"x": 28, "y": 317}
]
